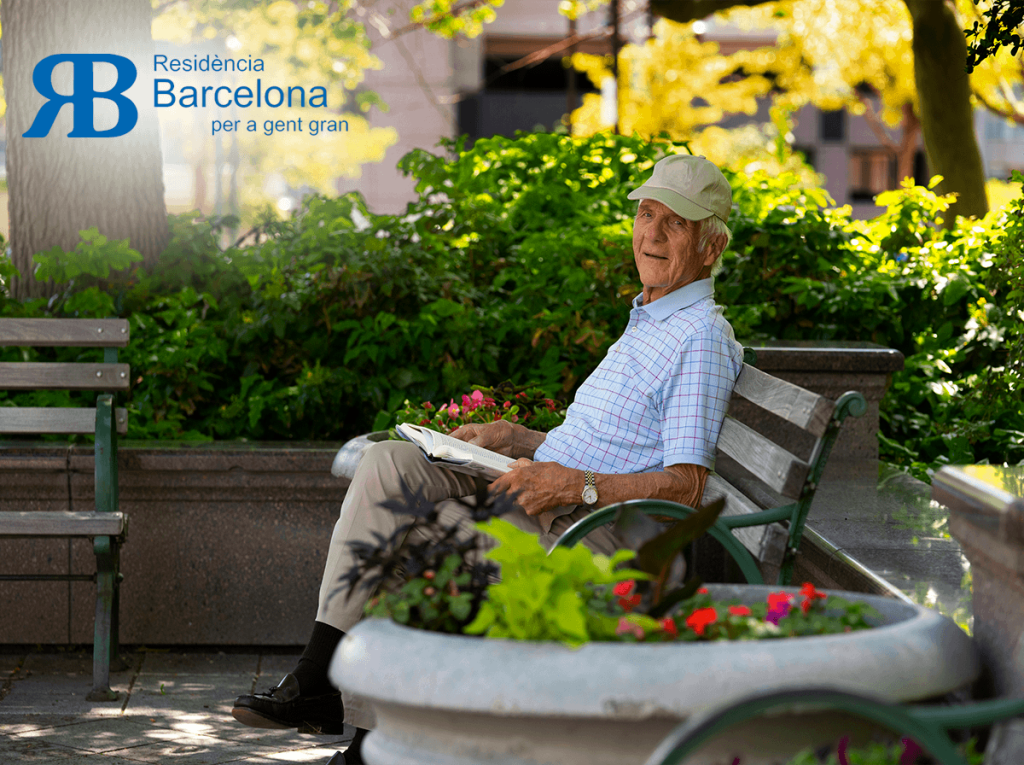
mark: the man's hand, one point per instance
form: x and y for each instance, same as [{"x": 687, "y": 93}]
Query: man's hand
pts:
[
  {"x": 540, "y": 486},
  {"x": 502, "y": 437}
]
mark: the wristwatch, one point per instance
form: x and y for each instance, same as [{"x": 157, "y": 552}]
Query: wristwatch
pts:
[{"x": 589, "y": 489}]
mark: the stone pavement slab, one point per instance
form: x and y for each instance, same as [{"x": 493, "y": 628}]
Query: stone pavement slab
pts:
[
  {"x": 890, "y": 525},
  {"x": 175, "y": 708}
]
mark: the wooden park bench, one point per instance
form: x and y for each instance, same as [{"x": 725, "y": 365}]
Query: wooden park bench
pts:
[
  {"x": 106, "y": 525},
  {"x": 768, "y": 489}
]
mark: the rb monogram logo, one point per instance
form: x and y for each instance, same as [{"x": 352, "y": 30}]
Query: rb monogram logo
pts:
[{"x": 83, "y": 95}]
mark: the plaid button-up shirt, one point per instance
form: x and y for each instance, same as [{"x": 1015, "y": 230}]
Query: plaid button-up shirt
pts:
[{"x": 660, "y": 395}]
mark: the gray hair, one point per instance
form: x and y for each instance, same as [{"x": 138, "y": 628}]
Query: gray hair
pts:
[{"x": 708, "y": 229}]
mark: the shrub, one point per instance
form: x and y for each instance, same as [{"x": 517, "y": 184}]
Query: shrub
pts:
[{"x": 515, "y": 263}]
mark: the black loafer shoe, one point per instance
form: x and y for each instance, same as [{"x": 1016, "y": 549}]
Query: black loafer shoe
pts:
[{"x": 284, "y": 706}]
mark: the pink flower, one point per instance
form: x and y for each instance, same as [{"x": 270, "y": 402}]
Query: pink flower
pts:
[
  {"x": 739, "y": 611},
  {"x": 453, "y": 409},
  {"x": 778, "y": 606},
  {"x": 700, "y": 619},
  {"x": 626, "y": 627},
  {"x": 467, "y": 403},
  {"x": 507, "y": 404},
  {"x": 477, "y": 398}
]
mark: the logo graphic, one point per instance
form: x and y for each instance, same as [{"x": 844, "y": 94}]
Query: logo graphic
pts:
[{"x": 83, "y": 95}]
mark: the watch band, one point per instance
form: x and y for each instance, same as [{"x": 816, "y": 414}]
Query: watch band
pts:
[{"x": 589, "y": 495}]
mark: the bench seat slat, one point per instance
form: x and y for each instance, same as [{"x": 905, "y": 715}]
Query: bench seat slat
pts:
[
  {"x": 791, "y": 402},
  {"x": 33, "y": 375},
  {"x": 767, "y": 543},
  {"x": 54, "y": 420},
  {"x": 76, "y": 333},
  {"x": 772, "y": 464},
  {"x": 61, "y": 523}
]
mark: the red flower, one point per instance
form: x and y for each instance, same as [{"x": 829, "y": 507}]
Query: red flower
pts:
[
  {"x": 739, "y": 610},
  {"x": 670, "y": 627},
  {"x": 628, "y": 597},
  {"x": 700, "y": 619},
  {"x": 810, "y": 595},
  {"x": 507, "y": 404},
  {"x": 549, "y": 404},
  {"x": 427, "y": 405},
  {"x": 702, "y": 590}
]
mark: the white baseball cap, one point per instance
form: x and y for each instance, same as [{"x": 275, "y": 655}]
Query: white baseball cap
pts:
[{"x": 690, "y": 186}]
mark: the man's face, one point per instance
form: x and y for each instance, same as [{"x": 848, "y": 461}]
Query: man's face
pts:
[{"x": 665, "y": 249}]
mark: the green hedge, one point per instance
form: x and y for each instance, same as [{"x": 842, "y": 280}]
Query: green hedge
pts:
[{"x": 515, "y": 263}]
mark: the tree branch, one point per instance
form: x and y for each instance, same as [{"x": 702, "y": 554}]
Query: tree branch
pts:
[
  {"x": 998, "y": 110},
  {"x": 876, "y": 125}
]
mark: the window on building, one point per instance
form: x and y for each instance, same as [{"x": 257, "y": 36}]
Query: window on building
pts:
[
  {"x": 527, "y": 96},
  {"x": 872, "y": 171},
  {"x": 810, "y": 156},
  {"x": 833, "y": 126}
]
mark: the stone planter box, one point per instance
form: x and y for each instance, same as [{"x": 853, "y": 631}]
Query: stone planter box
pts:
[
  {"x": 226, "y": 542},
  {"x": 986, "y": 516},
  {"x": 455, "y": 700}
]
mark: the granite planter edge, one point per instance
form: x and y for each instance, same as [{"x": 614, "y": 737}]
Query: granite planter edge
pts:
[{"x": 456, "y": 700}]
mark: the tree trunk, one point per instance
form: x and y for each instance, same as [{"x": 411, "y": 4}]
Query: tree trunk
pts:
[
  {"x": 943, "y": 92},
  {"x": 57, "y": 185},
  {"x": 940, "y": 53}
]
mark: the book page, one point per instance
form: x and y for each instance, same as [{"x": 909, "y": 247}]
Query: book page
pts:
[{"x": 441, "y": 446}]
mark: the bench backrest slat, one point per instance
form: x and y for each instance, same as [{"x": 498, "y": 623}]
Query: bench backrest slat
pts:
[
  {"x": 61, "y": 523},
  {"x": 767, "y": 542},
  {"x": 778, "y": 468},
  {"x": 54, "y": 420},
  {"x": 80, "y": 333},
  {"x": 804, "y": 409},
  {"x": 30, "y": 375}
]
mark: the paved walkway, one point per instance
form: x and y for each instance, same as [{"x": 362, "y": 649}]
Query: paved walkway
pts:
[{"x": 175, "y": 707}]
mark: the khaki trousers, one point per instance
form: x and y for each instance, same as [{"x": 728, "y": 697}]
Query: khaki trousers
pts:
[{"x": 380, "y": 475}]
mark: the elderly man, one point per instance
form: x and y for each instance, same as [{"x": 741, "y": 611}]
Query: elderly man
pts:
[{"x": 644, "y": 424}]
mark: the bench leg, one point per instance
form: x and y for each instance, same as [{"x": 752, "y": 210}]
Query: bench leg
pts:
[{"x": 104, "y": 646}]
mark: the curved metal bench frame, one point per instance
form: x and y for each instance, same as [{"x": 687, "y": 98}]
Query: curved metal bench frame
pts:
[{"x": 926, "y": 725}]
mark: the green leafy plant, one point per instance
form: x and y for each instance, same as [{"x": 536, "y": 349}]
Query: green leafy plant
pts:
[
  {"x": 515, "y": 262},
  {"x": 437, "y": 584}
]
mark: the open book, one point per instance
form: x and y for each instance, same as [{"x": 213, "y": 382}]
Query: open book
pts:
[{"x": 455, "y": 454}]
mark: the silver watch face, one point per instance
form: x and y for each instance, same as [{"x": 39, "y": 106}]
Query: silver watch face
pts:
[{"x": 590, "y": 495}]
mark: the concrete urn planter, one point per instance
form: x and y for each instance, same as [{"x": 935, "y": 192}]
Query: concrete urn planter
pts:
[
  {"x": 348, "y": 457},
  {"x": 455, "y": 700}
]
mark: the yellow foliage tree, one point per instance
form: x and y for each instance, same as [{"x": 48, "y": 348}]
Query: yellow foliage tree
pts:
[
  {"x": 301, "y": 43},
  {"x": 867, "y": 57}
]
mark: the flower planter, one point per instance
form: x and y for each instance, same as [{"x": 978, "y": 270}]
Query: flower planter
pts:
[
  {"x": 454, "y": 700},
  {"x": 347, "y": 459}
]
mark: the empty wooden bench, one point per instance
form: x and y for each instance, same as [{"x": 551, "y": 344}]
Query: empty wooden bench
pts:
[
  {"x": 106, "y": 525},
  {"x": 768, "y": 489}
]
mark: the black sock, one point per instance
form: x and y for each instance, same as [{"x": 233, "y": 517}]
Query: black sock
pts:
[
  {"x": 354, "y": 753},
  {"x": 311, "y": 671}
]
